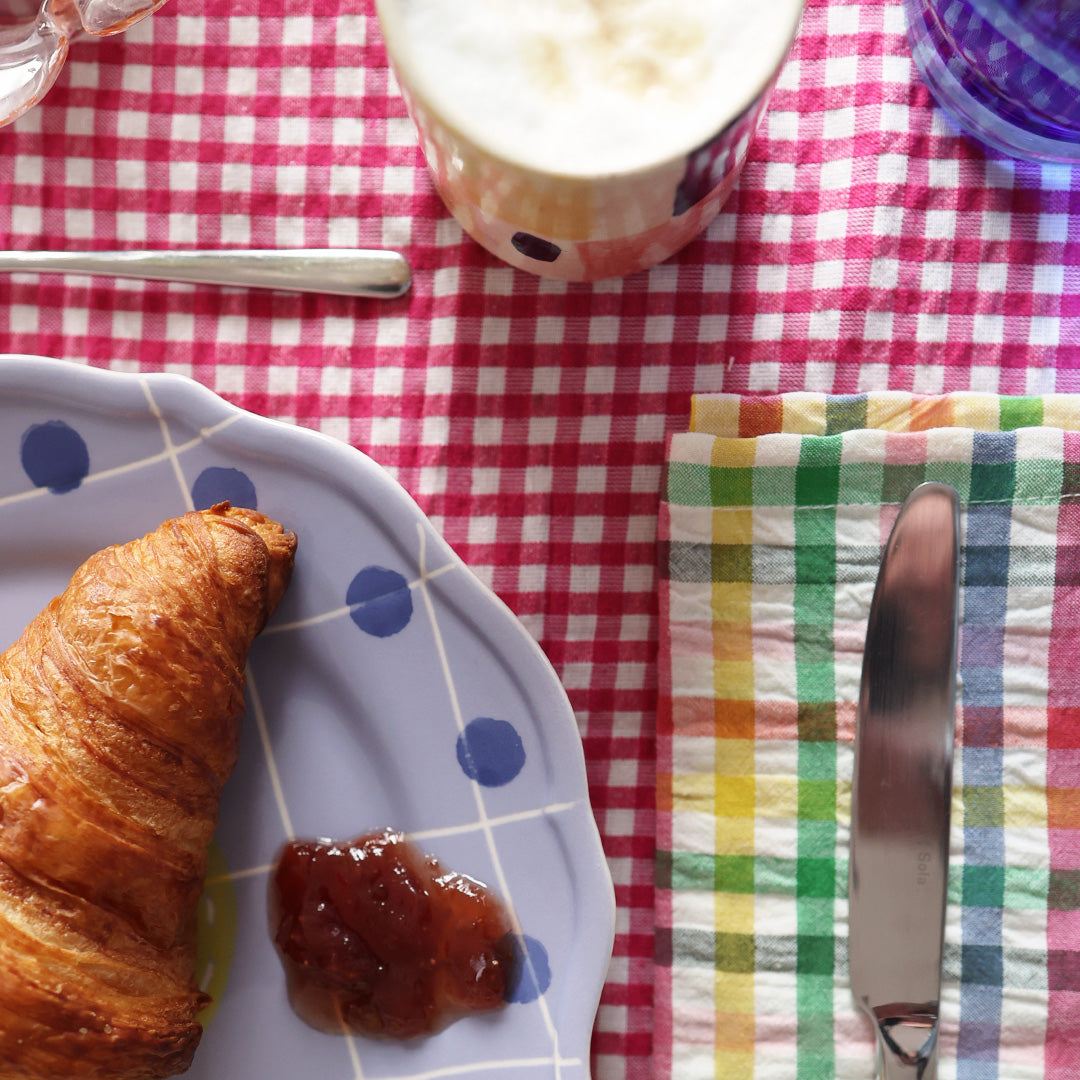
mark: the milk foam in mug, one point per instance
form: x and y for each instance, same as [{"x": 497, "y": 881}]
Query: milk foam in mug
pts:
[{"x": 586, "y": 139}]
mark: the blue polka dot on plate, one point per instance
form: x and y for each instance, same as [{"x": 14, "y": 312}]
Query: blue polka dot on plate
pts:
[
  {"x": 490, "y": 751},
  {"x": 219, "y": 484},
  {"x": 380, "y": 601},
  {"x": 531, "y": 970},
  {"x": 54, "y": 456}
]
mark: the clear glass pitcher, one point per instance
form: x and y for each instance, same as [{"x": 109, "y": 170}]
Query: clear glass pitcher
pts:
[{"x": 34, "y": 37}]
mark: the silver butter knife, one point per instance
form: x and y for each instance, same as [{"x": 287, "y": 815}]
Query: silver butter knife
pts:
[
  {"x": 369, "y": 272},
  {"x": 902, "y": 791}
]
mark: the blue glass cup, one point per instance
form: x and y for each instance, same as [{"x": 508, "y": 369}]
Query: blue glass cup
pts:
[{"x": 1008, "y": 71}]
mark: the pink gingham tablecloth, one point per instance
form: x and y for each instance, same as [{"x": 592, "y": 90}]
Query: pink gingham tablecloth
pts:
[{"x": 866, "y": 247}]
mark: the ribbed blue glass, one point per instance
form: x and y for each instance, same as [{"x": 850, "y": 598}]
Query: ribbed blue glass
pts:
[{"x": 1008, "y": 71}]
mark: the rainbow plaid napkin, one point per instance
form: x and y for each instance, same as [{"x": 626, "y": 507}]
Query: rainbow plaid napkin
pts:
[{"x": 776, "y": 512}]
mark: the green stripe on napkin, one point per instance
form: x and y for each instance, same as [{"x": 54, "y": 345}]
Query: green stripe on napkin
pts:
[{"x": 775, "y": 514}]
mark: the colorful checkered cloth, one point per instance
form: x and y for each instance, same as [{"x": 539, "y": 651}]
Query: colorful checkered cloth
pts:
[{"x": 777, "y": 510}]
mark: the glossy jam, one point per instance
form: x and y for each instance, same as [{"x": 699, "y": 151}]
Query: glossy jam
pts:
[{"x": 377, "y": 938}]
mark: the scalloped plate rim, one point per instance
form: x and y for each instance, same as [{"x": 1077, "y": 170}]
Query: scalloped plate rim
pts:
[{"x": 71, "y": 381}]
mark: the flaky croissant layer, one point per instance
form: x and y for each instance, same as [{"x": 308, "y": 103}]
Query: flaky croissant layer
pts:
[{"x": 120, "y": 711}]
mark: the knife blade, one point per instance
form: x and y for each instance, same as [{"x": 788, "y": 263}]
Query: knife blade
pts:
[{"x": 902, "y": 784}]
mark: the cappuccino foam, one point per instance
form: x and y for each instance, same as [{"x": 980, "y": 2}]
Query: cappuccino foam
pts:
[{"x": 588, "y": 87}]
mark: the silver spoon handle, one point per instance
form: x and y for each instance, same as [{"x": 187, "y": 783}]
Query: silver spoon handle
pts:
[{"x": 337, "y": 271}]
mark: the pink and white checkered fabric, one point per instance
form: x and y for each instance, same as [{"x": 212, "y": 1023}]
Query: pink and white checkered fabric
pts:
[{"x": 867, "y": 246}]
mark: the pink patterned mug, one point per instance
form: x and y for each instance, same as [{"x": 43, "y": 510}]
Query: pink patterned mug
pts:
[
  {"x": 34, "y": 38},
  {"x": 586, "y": 139}
]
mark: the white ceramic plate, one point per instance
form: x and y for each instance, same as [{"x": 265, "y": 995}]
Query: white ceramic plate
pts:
[{"x": 385, "y": 653}]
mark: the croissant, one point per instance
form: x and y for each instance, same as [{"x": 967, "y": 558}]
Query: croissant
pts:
[{"x": 120, "y": 711}]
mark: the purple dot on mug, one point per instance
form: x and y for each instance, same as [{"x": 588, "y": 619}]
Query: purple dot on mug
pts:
[{"x": 533, "y": 247}]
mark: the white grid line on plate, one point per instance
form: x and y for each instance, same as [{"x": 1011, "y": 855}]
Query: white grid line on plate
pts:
[
  {"x": 424, "y": 834},
  {"x": 170, "y": 449},
  {"x": 348, "y": 609},
  {"x": 268, "y": 754},
  {"x": 350, "y": 1043},
  {"x": 484, "y": 823},
  {"x": 256, "y": 699},
  {"x": 172, "y": 452},
  {"x": 481, "y": 808},
  {"x": 131, "y": 466}
]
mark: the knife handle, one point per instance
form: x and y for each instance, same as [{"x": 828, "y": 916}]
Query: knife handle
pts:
[{"x": 907, "y": 1046}]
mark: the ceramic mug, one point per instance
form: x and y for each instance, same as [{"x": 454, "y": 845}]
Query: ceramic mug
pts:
[
  {"x": 34, "y": 39},
  {"x": 586, "y": 139}
]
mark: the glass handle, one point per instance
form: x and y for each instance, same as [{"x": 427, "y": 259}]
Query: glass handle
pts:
[
  {"x": 31, "y": 56},
  {"x": 33, "y": 48},
  {"x": 100, "y": 17}
]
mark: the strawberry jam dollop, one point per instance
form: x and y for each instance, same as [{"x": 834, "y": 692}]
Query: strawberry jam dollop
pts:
[{"x": 376, "y": 938}]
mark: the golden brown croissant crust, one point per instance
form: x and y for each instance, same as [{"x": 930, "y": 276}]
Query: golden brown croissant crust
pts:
[{"x": 120, "y": 708}]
